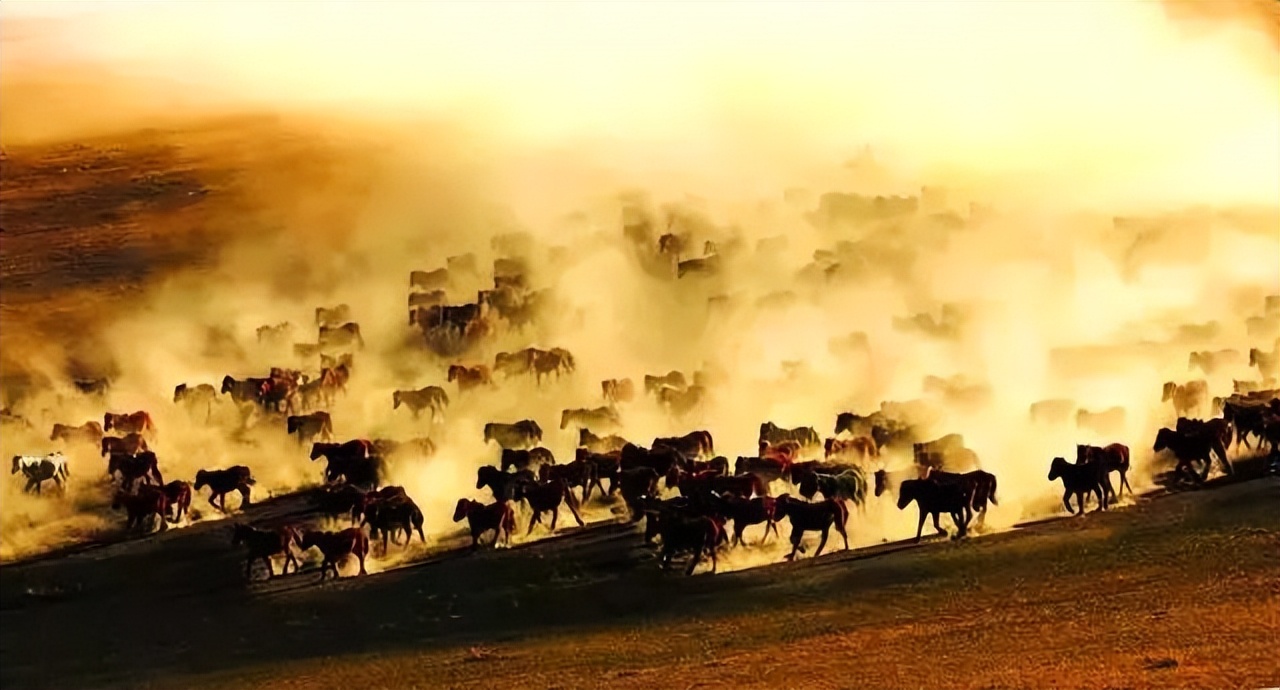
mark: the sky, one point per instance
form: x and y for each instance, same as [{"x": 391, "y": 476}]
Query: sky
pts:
[{"x": 1028, "y": 88}]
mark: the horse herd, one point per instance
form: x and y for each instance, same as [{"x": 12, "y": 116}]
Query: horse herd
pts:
[
  {"x": 686, "y": 493},
  {"x": 943, "y": 479}
]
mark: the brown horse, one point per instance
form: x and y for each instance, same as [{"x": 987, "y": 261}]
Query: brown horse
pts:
[
  {"x": 497, "y": 517},
  {"x": 812, "y": 517},
  {"x": 136, "y": 422},
  {"x": 263, "y": 544},
  {"x": 222, "y": 482},
  {"x": 138, "y": 507},
  {"x": 178, "y": 495},
  {"x": 336, "y": 546}
]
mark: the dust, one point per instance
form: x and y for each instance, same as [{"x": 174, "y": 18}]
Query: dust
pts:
[{"x": 1077, "y": 206}]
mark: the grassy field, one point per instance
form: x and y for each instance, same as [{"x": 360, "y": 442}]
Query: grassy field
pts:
[{"x": 1176, "y": 591}]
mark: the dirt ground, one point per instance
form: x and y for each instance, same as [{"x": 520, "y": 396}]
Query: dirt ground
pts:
[{"x": 1178, "y": 591}]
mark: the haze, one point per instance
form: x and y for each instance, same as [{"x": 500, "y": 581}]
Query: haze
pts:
[{"x": 1115, "y": 101}]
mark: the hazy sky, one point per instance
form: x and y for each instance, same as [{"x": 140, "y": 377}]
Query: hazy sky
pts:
[{"x": 1071, "y": 86}]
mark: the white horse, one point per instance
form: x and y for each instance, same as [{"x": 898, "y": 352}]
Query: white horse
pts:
[{"x": 38, "y": 469}]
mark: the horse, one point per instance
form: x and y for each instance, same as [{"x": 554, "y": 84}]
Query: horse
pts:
[
  {"x": 934, "y": 498},
  {"x": 431, "y": 398},
  {"x": 526, "y": 459},
  {"x": 39, "y": 469},
  {"x": 806, "y": 436},
  {"x": 130, "y": 444},
  {"x": 849, "y": 485},
  {"x": 812, "y": 517},
  {"x": 335, "y": 547},
  {"x": 263, "y": 544},
  {"x": 692, "y": 446},
  {"x": 520, "y": 435},
  {"x": 134, "y": 422},
  {"x": 1186, "y": 398},
  {"x": 223, "y": 482},
  {"x": 469, "y": 378},
  {"x": 698, "y": 534},
  {"x": 148, "y": 501},
  {"x": 1079, "y": 480},
  {"x": 387, "y": 515},
  {"x": 192, "y": 396},
  {"x": 132, "y": 468},
  {"x": 618, "y": 390},
  {"x": 747, "y": 512},
  {"x": 497, "y": 517},
  {"x": 89, "y": 432},
  {"x": 600, "y": 444},
  {"x": 1188, "y": 447},
  {"x": 597, "y": 418},
  {"x": 502, "y": 484},
  {"x": 547, "y": 496},
  {"x": 1112, "y": 458},
  {"x": 178, "y": 495},
  {"x": 309, "y": 426}
]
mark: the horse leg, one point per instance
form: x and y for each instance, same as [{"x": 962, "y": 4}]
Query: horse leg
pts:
[
  {"x": 823, "y": 542},
  {"x": 555, "y": 516},
  {"x": 796, "y": 536},
  {"x": 936, "y": 525},
  {"x": 271, "y": 571},
  {"x": 244, "y": 496},
  {"x": 693, "y": 562},
  {"x": 920, "y": 525}
]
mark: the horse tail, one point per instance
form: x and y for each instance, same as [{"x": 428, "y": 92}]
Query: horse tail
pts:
[
  {"x": 417, "y": 523},
  {"x": 842, "y": 515},
  {"x": 758, "y": 485}
]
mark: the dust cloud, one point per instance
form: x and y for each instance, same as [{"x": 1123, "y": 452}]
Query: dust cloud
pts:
[{"x": 1082, "y": 181}]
